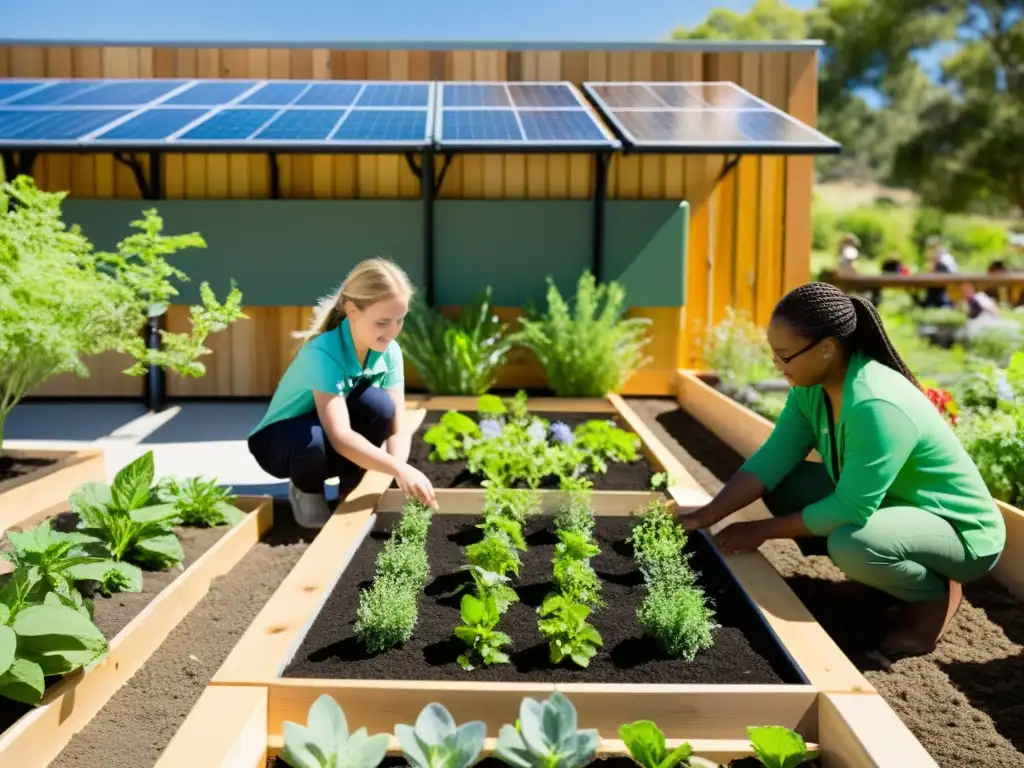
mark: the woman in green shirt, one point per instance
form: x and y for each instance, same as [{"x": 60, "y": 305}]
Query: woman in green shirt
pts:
[{"x": 896, "y": 502}]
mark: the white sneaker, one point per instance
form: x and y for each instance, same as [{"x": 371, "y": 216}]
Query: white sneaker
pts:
[{"x": 310, "y": 509}]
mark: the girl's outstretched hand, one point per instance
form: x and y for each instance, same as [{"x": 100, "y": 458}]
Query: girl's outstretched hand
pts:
[
  {"x": 696, "y": 520},
  {"x": 415, "y": 485}
]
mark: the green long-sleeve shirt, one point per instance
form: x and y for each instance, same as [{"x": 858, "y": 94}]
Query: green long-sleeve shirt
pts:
[{"x": 894, "y": 449}]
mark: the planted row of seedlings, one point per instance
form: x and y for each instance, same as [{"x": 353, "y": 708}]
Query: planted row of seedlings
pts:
[
  {"x": 117, "y": 532},
  {"x": 545, "y": 735}
]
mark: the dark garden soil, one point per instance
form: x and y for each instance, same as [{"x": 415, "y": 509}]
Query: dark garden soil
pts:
[
  {"x": 964, "y": 701},
  {"x": 14, "y": 467},
  {"x": 331, "y": 649},
  {"x": 139, "y": 721},
  {"x": 114, "y": 613},
  {"x": 621, "y": 476}
]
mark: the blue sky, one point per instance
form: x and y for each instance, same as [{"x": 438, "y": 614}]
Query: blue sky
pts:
[{"x": 319, "y": 20}]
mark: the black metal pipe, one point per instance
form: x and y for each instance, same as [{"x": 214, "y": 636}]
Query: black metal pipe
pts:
[
  {"x": 275, "y": 176},
  {"x": 156, "y": 377},
  {"x": 428, "y": 191},
  {"x": 601, "y": 160}
]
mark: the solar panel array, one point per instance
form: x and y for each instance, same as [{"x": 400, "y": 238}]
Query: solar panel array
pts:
[
  {"x": 527, "y": 115},
  {"x": 327, "y": 115},
  {"x": 215, "y": 114},
  {"x": 709, "y": 117}
]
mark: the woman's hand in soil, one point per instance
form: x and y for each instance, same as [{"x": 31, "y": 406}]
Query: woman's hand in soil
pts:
[
  {"x": 740, "y": 537},
  {"x": 696, "y": 520},
  {"x": 414, "y": 484}
]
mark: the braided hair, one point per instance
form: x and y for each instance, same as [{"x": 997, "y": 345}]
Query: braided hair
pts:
[{"x": 819, "y": 310}]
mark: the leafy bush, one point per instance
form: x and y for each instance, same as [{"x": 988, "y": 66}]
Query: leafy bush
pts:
[
  {"x": 975, "y": 240},
  {"x": 199, "y": 501},
  {"x": 995, "y": 441},
  {"x": 61, "y": 301},
  {"x": 735, "y": 350},
  {"x": 588, "y": 349},
  {"x": 456, "y": 357},
  {"x": 880, "y": 231},
  {"x": 824, "y": 232},
  {"x": 388, "y": 610}
]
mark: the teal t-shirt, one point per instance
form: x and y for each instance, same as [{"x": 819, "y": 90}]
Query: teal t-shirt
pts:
[{"x": 328, "y": 363}]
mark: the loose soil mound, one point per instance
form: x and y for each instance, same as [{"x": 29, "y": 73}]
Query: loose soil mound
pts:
[
  {"x": 963, "y": 702},
  {"x": 621, "y": 476},
  {"x": 114, "y": 613},
  {"x": 331, "y": 649},
  {"x": 139, "y": 721}
]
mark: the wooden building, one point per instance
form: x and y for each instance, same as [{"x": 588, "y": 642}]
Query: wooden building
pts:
[{"x": 737, "y": 230}]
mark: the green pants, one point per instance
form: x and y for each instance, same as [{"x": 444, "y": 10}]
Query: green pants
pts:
[{"x": 907, "y": 552}]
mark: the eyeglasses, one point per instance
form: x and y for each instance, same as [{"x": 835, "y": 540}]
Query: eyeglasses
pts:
[{"x": 789, "y": 358}]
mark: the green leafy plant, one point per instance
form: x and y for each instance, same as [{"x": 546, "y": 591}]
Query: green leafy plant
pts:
[
  {"x": 325, "y": 741},
  {"x": 564, "y": 625},
  {"x": 40, "y": 639},
  {"x": 589, "y": 348},
  {"x": 388, "y": 609},
  {"x": 61, "y": 562},
  {"x": 779, "y": 747},
  {"x": 674, "y": 610},
  {"x": 488, "y": 584},
  {"x": 574, "y": 514},
  {"x": 573, "y": 575},
  {"x": 199, "y": 501},
  {"x": 451, "y": 436},
  {"x": 436, "y": 742},
  {"x": 495, "y": 553},
  {"x": 480, "y": 617},
  {"x": 122, "y": 521},
  {"x": 994, "y": 439},
  {"x": 62, "y": 302},
  {"x": 456, "y": 357},
  {"x": 646, "y": 744},
  {"x": 547, "y": 736},
  {"x": 603, "y": 441},
  {"x": 736, "y": 351}
]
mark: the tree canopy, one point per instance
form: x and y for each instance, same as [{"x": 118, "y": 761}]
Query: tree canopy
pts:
[{"x": 956, "y": 136}]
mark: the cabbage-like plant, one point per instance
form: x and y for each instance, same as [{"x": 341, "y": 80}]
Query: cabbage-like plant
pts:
[{"x": 325, "y": 741}]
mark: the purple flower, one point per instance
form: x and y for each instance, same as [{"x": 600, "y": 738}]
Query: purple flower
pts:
[
  {"x": 561, "y": 433},
  {"x": 490, "y": 428},
  {"x": 536, "y": 430}
]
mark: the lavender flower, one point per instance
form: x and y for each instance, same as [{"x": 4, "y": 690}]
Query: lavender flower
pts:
[
  {"x": 561, "y": 433},
  {"x": 1003, "y": 389},
  {"x": 536, "y": 431},
  {"x": 490, "y": 428}
]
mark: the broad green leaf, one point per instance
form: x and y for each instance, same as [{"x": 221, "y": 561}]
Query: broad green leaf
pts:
[
  {"x": 130, "y": 576},
  {"x": 58, "y": 638},
  {"x": 469, "y": 741},
  {"x": 232, "y": 515},
  {"x": 8, "y": 648},
  {"x": 23, "y": 681},
  {"x": 300, "y": 748},
  {"x": 23, "y": 542},
  {"x": 368, "y": 752},
  {"x": 512, "y": 749},
  {"x": 91, "y": 498},
  {"x": 777, "y": 746},
  {"x": 532, "y": 727},
  {"x": 160, "y": 552},
  {"x": 155, "y": 513},
  {"x": 327, "y": 723},
  {"x": 5, "y": 614},
  {"x": 434, "y": 723},
  {"x": 645, "y": 742},
  {"x": 473, "y": 610},
  {"x": 132, "y": 483},
  {"x": 411, "y": 746}
]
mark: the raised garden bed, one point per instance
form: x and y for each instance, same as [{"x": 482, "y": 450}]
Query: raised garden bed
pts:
[
  {"x": 230, "y": 726},
  {"x": 745, "y": 431},
  {"x": 32, "y": 482},
  {"x": 134, "y": 625}
]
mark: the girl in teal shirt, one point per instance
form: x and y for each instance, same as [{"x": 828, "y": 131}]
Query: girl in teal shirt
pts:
[
  {"x": 338, "y": 409},
  {"x": 896, "y": 502}
]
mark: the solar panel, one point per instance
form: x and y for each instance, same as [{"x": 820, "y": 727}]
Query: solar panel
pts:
[
  {"x": 215, "y": 114},
  {"x": 505, "y": 117},
  {"x": 703, "y": 117}
]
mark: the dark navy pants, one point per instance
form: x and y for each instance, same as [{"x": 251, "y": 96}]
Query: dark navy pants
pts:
[{"x": 299, "y": 450}]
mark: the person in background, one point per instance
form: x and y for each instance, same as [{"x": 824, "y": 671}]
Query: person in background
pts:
[
  {"x": 998, "y": 267},
  {"x": 940, "y": 260},
  {"x": 896, "y": 503},
  {"x": 338, "y": 410},
  {"x": 849, "y": 252}
]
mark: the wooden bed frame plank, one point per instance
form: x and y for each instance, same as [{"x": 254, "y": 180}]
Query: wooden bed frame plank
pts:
[
  {"x": 859, "y": 731},
  {"x": 227, "y": 728},
  {"x": 550, "y": 404},
  {"x": 40, "y": 735},
  {"x": 24, "y": 498},
  {"x": 1010, "y": 568}
]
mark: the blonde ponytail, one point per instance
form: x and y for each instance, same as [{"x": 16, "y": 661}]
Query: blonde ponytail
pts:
[{"x": 369, "y": 281}]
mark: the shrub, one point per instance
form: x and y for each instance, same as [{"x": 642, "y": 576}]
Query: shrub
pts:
[
  {"x": 589, "y": 349},
  {"x": 975, "y": 240},
  {"x": 61, "y": 301},
  {"x": 880, "y": 231},
  {"x": 824, "y": 232},
  {"x": 456, "y": 357},
  {"x": 995, "y": 441},
  {"x": 736, "y": 351}
]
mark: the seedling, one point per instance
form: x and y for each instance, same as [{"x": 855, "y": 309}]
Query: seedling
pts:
[
  {"x": 199, "y": 501},
  {"x": 567, "y": 631},
  {"x": 436, "y": 742},
  {"x": 779, "y": 747},
  {"x": 646, "y": 744},
  {"x": 546, "y": 736},
  {"x": 325, "y": 741},
  {"x": 480, "y": 616}
]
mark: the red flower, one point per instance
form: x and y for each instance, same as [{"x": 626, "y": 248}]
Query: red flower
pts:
[{"x": 943, "y": 401}]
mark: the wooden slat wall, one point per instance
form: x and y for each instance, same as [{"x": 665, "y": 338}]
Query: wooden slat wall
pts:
[{"x": 750, "y": 231}]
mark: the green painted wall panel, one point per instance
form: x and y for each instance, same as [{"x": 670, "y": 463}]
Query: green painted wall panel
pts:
[
  {"x": 284, "y": 252},
  {"x": 291, "y": 252}
]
